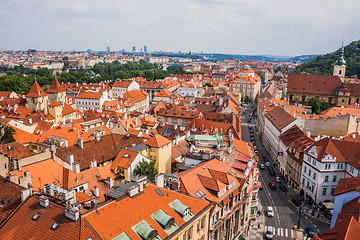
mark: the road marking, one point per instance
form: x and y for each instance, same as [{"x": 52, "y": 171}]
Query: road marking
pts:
[
  {"x": 292, "y": 234},
  {"x": 286, "y": 232},
  {"x": 306, "y": 217},
  {"x": 279, "y": 231}
]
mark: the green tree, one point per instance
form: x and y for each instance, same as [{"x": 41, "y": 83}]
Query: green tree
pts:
[
  {"x": 146, "y": 169},
  {"x": 317, "y": 105},
  {"x": 6, "y": 134},
  {"x": 208, "y": 84},
  {"x": 247, "y": 98}
]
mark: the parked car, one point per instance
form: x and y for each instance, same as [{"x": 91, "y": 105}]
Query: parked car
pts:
[
  {"x": 278, "y": 180},
  {"x": 296, "y": 202},
  {"x": 255, "y": 147},
  {"x": 261, "y": 166},
  {"x": 272, "y": 185},
  {"x": 249, "y": 120},
  {"x": 310, "y": 232},
  {"x": 267, "y": 163},
  {"x": 270, "y": 212},
  {"x": 283, "y": 188},
  {"x": 269, "y": 233},
  {"x": 251, "y": 134}
]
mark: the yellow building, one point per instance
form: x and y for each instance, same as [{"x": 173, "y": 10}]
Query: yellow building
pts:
[{"x": 160, "y": 151}]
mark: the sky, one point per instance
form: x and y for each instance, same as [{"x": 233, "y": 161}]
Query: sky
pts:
[{"x": 251, "y": 27}]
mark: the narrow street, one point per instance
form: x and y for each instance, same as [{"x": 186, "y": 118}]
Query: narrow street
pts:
[{"x": 286, "y": 215}]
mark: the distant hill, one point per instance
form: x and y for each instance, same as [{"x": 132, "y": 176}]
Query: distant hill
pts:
[
  {"x": 303, "y": 58},
  {"x": 324, "y": 64}
]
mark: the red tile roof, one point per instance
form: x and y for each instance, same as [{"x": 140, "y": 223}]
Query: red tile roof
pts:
[
  {"x": 346, "y": 230},
  {"x": 36, "y": 91},
  {"x": 313, "y": 84},
  {"x": 157, "y": 141},
  {"x": 11, "y": 193},
  {"x": 208, "y": 177},
  {"x": 279, "y": 117},
  {"x": 116, "y": 217},
  {"x": 56, "y": 87},
  {"x": 21, "y": 226},
  {"x": 347, "y": 185}
]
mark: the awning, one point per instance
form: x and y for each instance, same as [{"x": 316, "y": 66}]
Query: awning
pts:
[
  {"x": 226, "y": 201},
  {"x": 329, "y": 205},
  {"x": 235, "y": 193}
]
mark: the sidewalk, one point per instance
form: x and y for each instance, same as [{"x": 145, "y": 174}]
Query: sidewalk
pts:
[{"x": 256, "y": 232}]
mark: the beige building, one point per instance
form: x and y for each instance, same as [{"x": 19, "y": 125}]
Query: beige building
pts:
[
  {"x": 36, "y": 98},
  {"x": 247, "y": 83},
  {"x": 56, "y": 92}
]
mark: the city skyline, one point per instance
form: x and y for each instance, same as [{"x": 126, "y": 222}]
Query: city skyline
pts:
[{"x": 232, "y": 27}]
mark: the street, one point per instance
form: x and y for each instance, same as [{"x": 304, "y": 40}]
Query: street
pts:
[{"x": 286, "y": 215}]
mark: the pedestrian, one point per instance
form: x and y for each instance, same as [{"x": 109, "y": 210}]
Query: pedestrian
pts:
[{"x": 259, "y": 225}]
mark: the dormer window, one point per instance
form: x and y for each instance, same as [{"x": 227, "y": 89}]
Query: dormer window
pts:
[{"x": 221, "y": 193}]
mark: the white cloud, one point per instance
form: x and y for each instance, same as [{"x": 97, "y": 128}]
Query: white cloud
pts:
[{"x": 230, "y": 26}]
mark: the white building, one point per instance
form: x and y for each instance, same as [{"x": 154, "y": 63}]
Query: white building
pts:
[
  {"x": 122, "y": 86},
  {"x": 91, "y": 100},
  {"x": 325, "y": 162},
  {"x": 190, "y": 93}
]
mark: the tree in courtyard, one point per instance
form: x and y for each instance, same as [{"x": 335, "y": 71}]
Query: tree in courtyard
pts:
[
  {"x": 317, "y": 105},
  {"x": 147, "y": 169},
  {"x": 6, "y": 134},
  {"x": 247, "y": 99},
  {"x": 208, "y": 84}
]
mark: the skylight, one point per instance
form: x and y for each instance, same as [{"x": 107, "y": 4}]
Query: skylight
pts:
[
  {"x": 36, "y": 216},
  {"x": 55, "y": 226}
]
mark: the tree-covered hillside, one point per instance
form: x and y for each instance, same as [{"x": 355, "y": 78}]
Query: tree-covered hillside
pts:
[{"x": 324, "y": 64}]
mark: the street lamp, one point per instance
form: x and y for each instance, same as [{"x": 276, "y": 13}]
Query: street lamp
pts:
[{"x": 300, "y": 212}]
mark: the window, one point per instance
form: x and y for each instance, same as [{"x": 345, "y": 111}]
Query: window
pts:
[
  {"x": 309, "y": 172},
  {"x": 324, "y": 191},
  {"x": 326, "y": 178},
  {"x": 332, "y": 190},
  {"x": 314, "y": 176},
  {"x": 334, "y": 178},
  {"x": 305, "y": 169}
]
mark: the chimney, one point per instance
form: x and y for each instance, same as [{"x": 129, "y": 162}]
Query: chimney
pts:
[
  {"x": 70, "y": 159},
  {"x": 132, "y": 191},
  {"x": 354, "y": 135},
  {"x": 141, "y": 181},
  {"x": 80, "y": 143},
  {"x": 127, "y": 126},
  {"x": 136, "y": 121},
  {"x": 63, "y": 121},
  {"x": 44, "y": 201},
  {"x": 15, "y": 107},
  {"x": 26, "y": 192},
  {"x": 93, "y": 163},
  {"x": 46, "y": 111},
  {"x": 53, "y": 151},
  {"x": 308, "y": 133},
  {"x": 66, "y": 143},
  {"x": 69, "y": 196},
  {"x": 109, "y": 182},
  {"x": 76, "y": 167},
  {"x": 159, "y": 180},
  {"x": 30, "y": 121},
  {"x": 14, "y": 178},
  {"x": 96, "y": 191},
  {"x": 72, "y": 212}
]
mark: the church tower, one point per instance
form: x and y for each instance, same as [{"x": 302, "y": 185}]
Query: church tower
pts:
[
  {"x": 36, "y": 98},
  {"x": 340, "y": 65}
]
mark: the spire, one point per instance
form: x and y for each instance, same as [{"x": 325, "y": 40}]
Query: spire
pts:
[{"x": 342, "y": 61}]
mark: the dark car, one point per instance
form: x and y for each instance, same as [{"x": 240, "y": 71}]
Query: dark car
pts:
[
  {"x": 310, "y": 232},
  {"x": 283, "y": 188},
  {"x": 296, "y": 202},
  {"x": 251, "y": 134},
  {"x": 261, "y": 166},
  {"x": 272, "y": 185}
]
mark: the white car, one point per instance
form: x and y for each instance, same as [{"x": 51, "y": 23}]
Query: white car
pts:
[
  {"x": 269, "y": 234},
  {"x": 270, "y": 212},
  {"x": 277, "y": 179}
]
